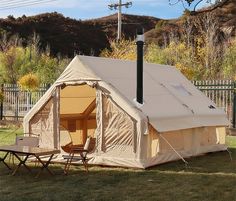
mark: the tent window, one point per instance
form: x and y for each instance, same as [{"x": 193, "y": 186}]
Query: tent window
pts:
[
  {"x": 181, "y": 90},
  {"x": 118, "y": 126}
]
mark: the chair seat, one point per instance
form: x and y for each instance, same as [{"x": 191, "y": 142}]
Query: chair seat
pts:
[
  {"x": 74, "y": 158},
  {"x": 67, "y": 148}
]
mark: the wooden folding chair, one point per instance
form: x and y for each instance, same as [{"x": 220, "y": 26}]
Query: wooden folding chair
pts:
[{"x": 78, "y": 153}]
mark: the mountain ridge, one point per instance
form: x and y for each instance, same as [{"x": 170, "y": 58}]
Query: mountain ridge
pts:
[{"x": 68, "y": 36}]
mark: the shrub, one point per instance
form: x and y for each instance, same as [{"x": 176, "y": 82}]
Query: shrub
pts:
[
  {"x": 160, "y": 24},
  {"x": 124, "y": 49},
  {"x": 29, "y": 82}
]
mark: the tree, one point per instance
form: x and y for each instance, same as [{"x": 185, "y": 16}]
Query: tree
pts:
[
  {"x": 196, "y": 3},
  {"x": 17, "y": 60},
  {"x": 10, "y": 63},
  {"x": 229, "y": 61}
]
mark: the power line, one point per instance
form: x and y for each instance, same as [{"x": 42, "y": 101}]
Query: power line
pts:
[
  {"x": 118, "y": 6},
  {"x": 13, "y": 2},
  {"x": 24, "y": 4},
  {"x": 17, "y": 3},
  {"x": 2, "y": 1}
]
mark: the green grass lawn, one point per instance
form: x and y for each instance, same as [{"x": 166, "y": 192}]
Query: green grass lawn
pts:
[
  {"x": 206, "y": 178},
  {"x": 7, "y": 135}
]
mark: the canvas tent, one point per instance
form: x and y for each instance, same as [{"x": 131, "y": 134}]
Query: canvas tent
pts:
[{"x": 96, "y": 97}]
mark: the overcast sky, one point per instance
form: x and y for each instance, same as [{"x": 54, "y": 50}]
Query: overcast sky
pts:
[{"x": 87, "y": 9}]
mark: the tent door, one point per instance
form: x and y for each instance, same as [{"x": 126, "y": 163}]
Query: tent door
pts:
[{"x": 77, "y": 114}]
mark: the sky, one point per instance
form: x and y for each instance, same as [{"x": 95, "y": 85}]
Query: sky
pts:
[{"x": 89, "y": 9}]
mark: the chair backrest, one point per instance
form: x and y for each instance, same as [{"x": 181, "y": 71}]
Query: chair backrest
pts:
[
  {"x": 90, "y": 144},
  {"x": 65, "y": 137},
  {"x": 87, "y": 143},
  {"x": 27, "y": 141}
]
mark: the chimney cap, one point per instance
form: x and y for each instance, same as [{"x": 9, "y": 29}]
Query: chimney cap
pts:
[
  {"x": 140, "y": 31},
  {"x": 140, "y": 34}
]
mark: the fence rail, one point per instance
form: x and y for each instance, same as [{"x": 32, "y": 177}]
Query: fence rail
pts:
[
  {"x": 17, "y": 103},
  {"x": 222, "y": 93}
]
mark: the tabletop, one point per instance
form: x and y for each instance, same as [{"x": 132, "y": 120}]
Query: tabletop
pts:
[{"x": 37, "y": 151}]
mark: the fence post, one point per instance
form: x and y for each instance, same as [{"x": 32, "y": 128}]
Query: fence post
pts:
[
  {"x": 1, "y": 104},
  {"x": 17, "y": 104},
  {"x": 234, "y": 105},
  {"x": 48, "y": 86}
]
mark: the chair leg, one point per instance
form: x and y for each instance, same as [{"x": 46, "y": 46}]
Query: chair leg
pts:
[
  {"x": 65, "y": 168},
  {"x": 84, "y": 161},
  {"x": 68, "y": 163}
]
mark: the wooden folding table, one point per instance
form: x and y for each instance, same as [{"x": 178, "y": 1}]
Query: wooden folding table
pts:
[{"x": 27, "y": 151}]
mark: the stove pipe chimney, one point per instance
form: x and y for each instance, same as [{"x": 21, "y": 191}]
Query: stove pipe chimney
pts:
[{"x": 139, "y": 43}]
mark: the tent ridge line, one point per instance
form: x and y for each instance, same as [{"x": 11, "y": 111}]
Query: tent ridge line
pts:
[
  {"x": 76, "y": 80},
  {"x": 87, "y": 67}
]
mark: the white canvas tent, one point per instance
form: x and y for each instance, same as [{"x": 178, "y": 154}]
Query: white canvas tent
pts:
[{"x": 95, "y": 97}]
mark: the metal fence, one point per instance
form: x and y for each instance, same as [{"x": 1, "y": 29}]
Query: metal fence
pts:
[
  {"x": 223, "y": 93},
  {"x": 17, "y": 103}
]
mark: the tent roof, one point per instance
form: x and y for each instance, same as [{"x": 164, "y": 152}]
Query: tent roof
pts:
[{"x": 170, "y": 100}]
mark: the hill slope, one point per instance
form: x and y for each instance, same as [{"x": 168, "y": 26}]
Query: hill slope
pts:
[
  {"x": 130, "y": 23},
  {"x": 63, "y": 35},
  {"x": 69, "y": 36},
  {"x": 225, "y": 17}
]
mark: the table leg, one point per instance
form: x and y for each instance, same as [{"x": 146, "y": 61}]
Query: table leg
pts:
[
  {"x": 22, "y": 162},
  {"x": 3, "y": 160},
  {"x": 44, "y": 165}
]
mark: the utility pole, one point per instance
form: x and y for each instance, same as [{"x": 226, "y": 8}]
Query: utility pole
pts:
[{"x": 119, "y": 6}]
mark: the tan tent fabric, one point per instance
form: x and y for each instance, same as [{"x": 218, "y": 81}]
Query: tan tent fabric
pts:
[
  {"x": 45, "y": 122},
  {"x": 159, "y": 91},
  {"x": 118, "y": 130},
  {"x": 72, "y": 95},
  {"x": 96, "y": 97},
  {"x": 42, "y": 124},
  {"x": 187, "y": 142}
]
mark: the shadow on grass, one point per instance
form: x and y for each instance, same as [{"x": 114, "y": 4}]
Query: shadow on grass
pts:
[{"x": 218, "y": 162}]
